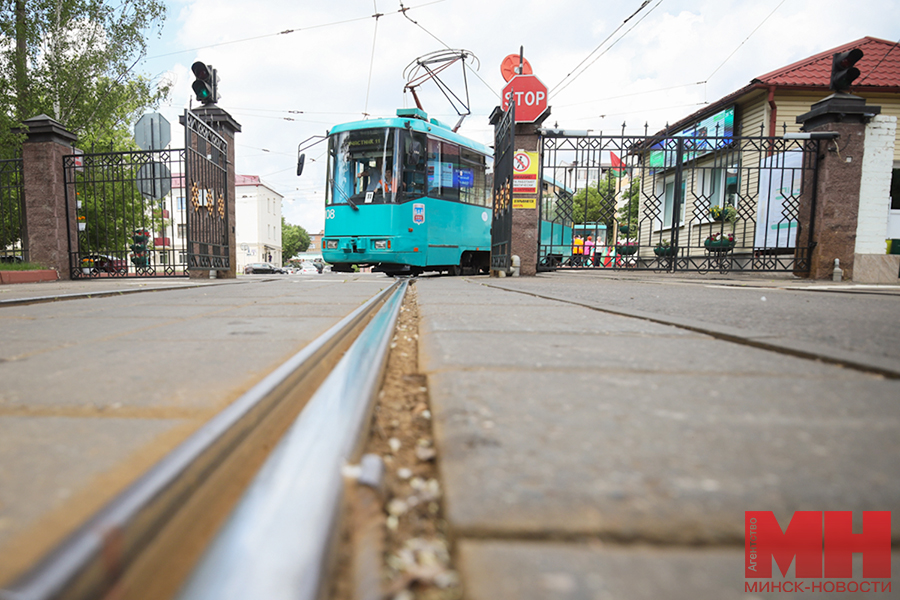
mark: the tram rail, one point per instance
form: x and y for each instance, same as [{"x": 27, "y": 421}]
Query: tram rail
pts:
[{"x": 279, "y": 508}]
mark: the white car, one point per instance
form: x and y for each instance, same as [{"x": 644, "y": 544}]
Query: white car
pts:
[{"x": 308, "y": 268}]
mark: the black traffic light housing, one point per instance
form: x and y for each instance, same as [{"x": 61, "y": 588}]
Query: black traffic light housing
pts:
[
  {"x": 842, "y": 70},
  {"x": 204, "y": 85},
  {"x": 140, "y": 238}
]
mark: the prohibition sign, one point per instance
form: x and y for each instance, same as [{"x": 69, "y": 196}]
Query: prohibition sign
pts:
[{"x": 521, "y": 162}]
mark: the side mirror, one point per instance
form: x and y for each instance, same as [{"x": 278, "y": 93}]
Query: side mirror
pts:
[{"x": 301, "y": 160}]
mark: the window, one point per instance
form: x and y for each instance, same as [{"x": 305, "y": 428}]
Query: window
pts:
[
  {"x": 415, "y": 165},
  {"x": 362, "y": 166},
  {"x": 182, "y": 230},
  {"x": 669, "y": 203},
  {"x": 180, "y": 202}
]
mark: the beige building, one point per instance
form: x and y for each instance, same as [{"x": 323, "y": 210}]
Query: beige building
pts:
[
  {"x": 767, "y": 107},
  {"x": 257, "y": 222}
]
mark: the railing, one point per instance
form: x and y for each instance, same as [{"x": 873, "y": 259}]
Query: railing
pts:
[
  {"x": 674, "y": 203},
  {"x": 130, "y": 213}
]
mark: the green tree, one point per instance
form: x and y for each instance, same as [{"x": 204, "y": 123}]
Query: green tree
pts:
[
  {"x": 596, "y": 203},
  {"x": 294, "y": 239},
  {"x": 628, "y": 212},
  {"x": 74, "y": 60}
]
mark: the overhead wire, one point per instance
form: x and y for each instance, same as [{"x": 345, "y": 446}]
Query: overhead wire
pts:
[
  {"x": 377, "y": 15},
  {"x": 608, "y": 48},
  {"x": 591, "y": 53},
  {"x": 403, "y": 10},
  {"x": 745, "y": 40},
  {"x": 294, "y": 30}
]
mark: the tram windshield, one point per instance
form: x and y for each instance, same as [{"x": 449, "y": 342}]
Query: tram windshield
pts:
[{"x": 363, "y": 166}]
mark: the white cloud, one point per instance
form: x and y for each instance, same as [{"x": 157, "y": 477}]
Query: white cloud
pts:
[{"x": 324, "y": 71}]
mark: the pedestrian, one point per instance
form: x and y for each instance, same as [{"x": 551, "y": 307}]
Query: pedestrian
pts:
[
  {"x": 577, "y": 250},
  {"x": 589, "y": 250}
]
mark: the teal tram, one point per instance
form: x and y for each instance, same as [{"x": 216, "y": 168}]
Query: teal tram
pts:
[{"x": 407, "y": 195}]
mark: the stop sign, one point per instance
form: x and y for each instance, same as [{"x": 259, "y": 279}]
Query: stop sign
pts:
[{"x": 529, "y": 95}]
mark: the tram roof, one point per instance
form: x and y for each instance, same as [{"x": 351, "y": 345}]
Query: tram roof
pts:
[{"x": 432, "y": 127}]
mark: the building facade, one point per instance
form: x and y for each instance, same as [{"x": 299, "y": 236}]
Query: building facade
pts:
[{"x": 257, "y": 222}]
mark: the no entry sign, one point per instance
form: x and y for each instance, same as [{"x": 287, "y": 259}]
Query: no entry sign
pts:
[{"x": 529, "y": 95}]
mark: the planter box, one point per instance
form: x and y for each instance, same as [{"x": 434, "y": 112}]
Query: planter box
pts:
[
  {"x": 664, "y": 251},
  {"x": 626, "y": 250},
  {"x": 28, "y": 276},
  {"x": 720, "y": 246}
]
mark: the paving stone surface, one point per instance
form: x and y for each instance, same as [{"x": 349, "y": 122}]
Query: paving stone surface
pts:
[
  {"x": 571, "y": 438},
  {"x": 596, "y": 571},
  {"x": 91, "y": 386}
]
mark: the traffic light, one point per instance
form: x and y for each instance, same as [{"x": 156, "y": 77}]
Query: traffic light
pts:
[
  {"x": 139, "y": 239},
  {"x": 205, "y": 84},
  {"x": 842, "y": 70}
]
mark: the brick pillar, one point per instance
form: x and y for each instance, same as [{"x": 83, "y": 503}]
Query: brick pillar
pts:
[
  {"x": 225, "y": 125},
  {"x": 525, "y": 223},
  {"x": 831, "y": 225},
  {"x": 48, "y": 224}
]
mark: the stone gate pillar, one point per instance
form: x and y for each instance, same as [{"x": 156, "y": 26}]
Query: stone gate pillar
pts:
[
  {"x": 48, "y": 224},
  {"x": 525, "y": 221},
  {"x": 830, "y": 211}
]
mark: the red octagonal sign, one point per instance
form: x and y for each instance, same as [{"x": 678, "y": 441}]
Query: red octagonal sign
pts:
[{"x": 530, "y": 96}]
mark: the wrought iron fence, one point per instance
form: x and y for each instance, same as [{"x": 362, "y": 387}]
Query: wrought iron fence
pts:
[
  {"x": 673, "y": 203},
  {"x": 12, "y": 212},
  {"x": 130, "y": 213},
  {"x": 207, "y": 192},
  {"x": 501, "y": 225}
]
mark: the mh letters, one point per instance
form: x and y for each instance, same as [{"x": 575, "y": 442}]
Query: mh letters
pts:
[{"x": 817, "y": 539}]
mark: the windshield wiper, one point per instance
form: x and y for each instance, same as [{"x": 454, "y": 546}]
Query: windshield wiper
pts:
[{"x": 347, "y": 198}]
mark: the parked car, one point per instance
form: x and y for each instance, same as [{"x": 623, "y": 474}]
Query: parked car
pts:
[
  {"x": 262, "y": 269},
  {"x": 289, "y": 269},
  {"x": 11, "y": 258},
  {"x": 308, "y": 268},
  {"x": 102, "y": 263}
]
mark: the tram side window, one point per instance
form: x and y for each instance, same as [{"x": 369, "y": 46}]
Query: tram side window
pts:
[
  {"x": 416, "y": 165},
  {"x": 449, "y": 171},
  {"x": 471, "y": 177},
  {"x": 434, "y": 168}
]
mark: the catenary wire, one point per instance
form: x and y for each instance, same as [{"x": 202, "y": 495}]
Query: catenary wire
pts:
[
  {"x": 608, "y": 48},
  {"x": 745, "y": 40}
]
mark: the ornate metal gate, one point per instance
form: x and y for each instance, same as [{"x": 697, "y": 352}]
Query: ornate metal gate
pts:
[
  {"x": 674, "y": 203},
  {"x": 206, "y": 191},
  {"x": 501, "y": 225}
]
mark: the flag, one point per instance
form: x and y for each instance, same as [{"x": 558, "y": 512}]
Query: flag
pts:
[{"x": 618, "y": 167}]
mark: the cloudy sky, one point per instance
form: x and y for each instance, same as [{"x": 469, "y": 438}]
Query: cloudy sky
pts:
[{"x": 291, "y": 69}]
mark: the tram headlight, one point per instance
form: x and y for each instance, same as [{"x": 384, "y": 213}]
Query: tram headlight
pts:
[
  {"x": 331, "y": 244},
  {"x": 380, "y": 244}
]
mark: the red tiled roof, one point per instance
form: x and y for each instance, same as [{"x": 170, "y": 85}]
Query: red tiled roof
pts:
[
  {"x": 246, "y": 180},
  {"x": 879, "y": 67},
  {"x": 879, "y": 71}
]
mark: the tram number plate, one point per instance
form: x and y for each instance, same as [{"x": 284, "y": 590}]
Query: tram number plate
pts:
[{"x": 418, "y": 214}]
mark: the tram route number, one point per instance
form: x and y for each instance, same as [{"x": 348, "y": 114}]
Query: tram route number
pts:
[{"x": 329, "y": 214}]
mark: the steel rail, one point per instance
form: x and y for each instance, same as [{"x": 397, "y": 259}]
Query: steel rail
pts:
[
  {"x": 276, "y": 542},
  {"x": 101, "y": 557}
]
